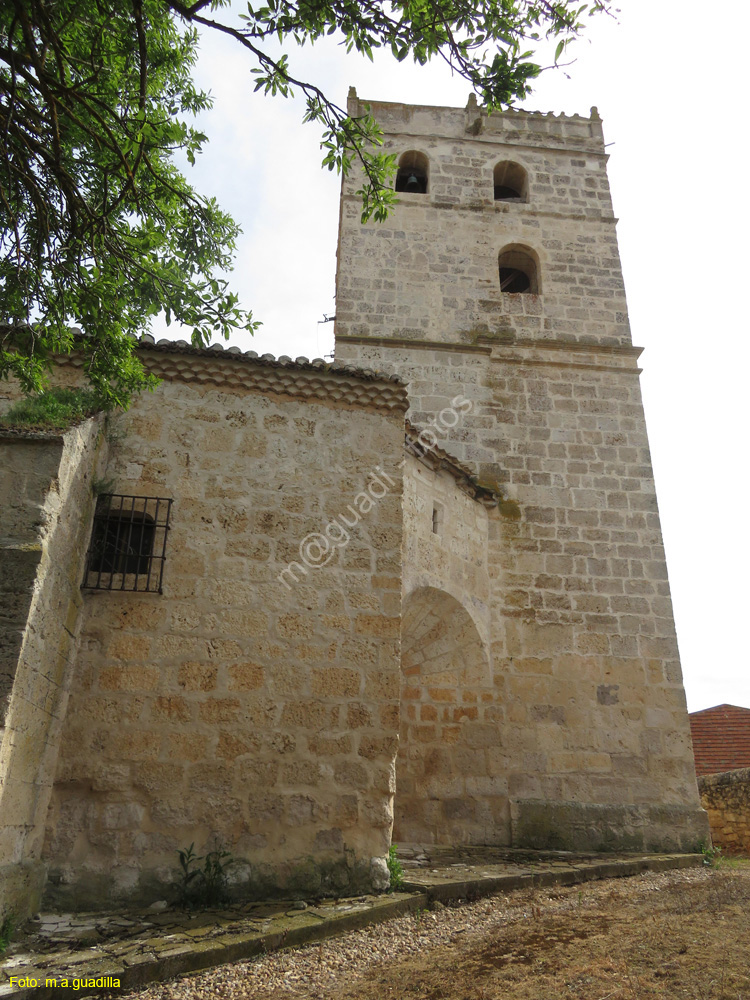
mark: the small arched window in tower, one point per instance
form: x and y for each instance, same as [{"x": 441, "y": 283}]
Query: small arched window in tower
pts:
[
  {"x": 519, "y": 270},
  {"x": 511, "y": 182},
  {"x": 413, "y": 169}
]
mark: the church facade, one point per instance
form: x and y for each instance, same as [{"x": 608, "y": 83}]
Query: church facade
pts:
[{"x": 297, "y": 609}]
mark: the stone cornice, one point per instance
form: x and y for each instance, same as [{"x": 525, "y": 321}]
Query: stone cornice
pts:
[
  {"x": 520, "y": 350},
  {"x": 494, "y": 207},
  {"x": 423, "y": 345}
]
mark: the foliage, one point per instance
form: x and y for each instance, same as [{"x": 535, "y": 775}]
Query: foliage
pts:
[
  {"x": 7, "y": 926},
  {"x": 189, "y": 874},
  {"x": 394, "y": 867},
  {"x": 54, "y": 409},
  {"x": 712, "y": 856},
  {"x": 98, "y": 225},
  {"x": 489, "y": 44},
  {"x": 200, "y": 888},
  {"x": 100, "y": 229}
]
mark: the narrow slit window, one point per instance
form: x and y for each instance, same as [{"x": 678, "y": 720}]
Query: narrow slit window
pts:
[
  {"x": 128, "y": 543},
  {"x": 437, "y": 519}
]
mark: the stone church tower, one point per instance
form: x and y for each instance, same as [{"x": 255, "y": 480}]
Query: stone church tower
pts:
[
  {"x": 542, "y": 696},
  {"x": 298, "y": 624}
]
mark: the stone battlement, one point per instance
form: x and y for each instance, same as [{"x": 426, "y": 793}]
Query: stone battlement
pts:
[{"x": 531, "y": 128}]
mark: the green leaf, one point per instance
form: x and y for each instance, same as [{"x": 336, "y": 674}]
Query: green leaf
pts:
[{"x": 101, "y": 230}]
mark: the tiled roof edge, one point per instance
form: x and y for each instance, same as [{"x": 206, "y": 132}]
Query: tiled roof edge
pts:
[
  {"x": 333, "y": 383},
  {"x": 718, "y": 708},
  {"x": 148, "y": 343}
]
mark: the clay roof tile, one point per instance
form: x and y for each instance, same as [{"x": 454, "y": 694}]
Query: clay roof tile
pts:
[{"x": 721, "y": 738}]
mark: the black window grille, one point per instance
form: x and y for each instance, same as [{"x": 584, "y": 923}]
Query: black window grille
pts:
[{"x": 128, "y": 543}]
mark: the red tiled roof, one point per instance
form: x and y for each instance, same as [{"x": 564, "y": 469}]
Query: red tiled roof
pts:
[{"x": 721, "y": 738}]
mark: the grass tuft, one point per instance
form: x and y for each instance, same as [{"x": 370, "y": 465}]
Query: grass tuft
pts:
[
  {"x": 53, "y": 409},
  {"x": 7, "y": 926},
  {"x": 394, "y": 867}
]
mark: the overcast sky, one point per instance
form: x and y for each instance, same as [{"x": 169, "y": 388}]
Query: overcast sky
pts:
[{"x": 671, "y": 88}]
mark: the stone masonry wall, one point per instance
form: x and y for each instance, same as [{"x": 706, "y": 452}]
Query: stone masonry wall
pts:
[
  {"x": 30, "y": 466},
  {"x": 431, "y": 271},
  {"x": 240, "y": 708},
  {"x": 592, "y": 730},
  {"x": 448, "y": 789},
  {"x": 591, "y": 708},
  {"x": 726, "y": 799},
  {"x": 45, "y": 511},
  {"x": 452, "y": 558}
]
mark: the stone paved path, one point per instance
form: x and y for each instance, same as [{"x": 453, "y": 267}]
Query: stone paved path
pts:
[{"x": 146, "y": 946}]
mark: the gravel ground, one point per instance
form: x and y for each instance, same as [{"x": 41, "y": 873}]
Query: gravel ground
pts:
[{"x": 316, "y": 971}]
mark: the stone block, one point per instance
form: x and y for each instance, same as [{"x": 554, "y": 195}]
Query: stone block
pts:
[
  {"x": 218, "y": 710},
  {"x": 245, "y": 676},
  {"x": 170, "y": 708},
  {"x": 189, "y": 747},
  {"x": 124, "y": 646},
  {"x": 197, "y": 676},
  {"x": 337, "y": 682}
]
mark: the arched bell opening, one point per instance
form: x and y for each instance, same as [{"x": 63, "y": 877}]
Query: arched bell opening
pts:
[
  {"x": 413, "y": 173},
  {"x": 511, "y": 182},
  {"x": 518, "y": 270}
]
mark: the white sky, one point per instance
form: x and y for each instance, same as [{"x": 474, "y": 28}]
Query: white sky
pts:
[{"x": 671, "y": 89}]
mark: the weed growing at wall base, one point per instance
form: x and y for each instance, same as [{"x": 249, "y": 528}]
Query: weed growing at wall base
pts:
[
  {"x": 6, "y": 932},
  {"x": 203, "y": 887},
  {"x": 394, "y": 867},
  {"x": 711, "y": 855}
]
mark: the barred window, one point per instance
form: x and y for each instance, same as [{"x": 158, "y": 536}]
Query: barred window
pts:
[{"x": 128, "y": 543}]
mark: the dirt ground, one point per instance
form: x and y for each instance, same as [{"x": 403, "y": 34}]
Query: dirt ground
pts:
[
  {"x": 686, "y": 941},
  {"x": 678, "y": 935}
]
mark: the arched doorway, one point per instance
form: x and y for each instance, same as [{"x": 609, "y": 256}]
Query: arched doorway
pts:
[{"x": 447, "y": 787}]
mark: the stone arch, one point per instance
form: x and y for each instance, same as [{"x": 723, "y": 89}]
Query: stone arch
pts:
[
  {"x": 510, "y": 182},
  {"x": 519, "y": 270},
  {"x": 446, "y": 788},
  {"x": 413, "y": 172}
]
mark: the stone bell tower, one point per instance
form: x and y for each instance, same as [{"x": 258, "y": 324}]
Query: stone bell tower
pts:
[{"x": 497, "y": 277}]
